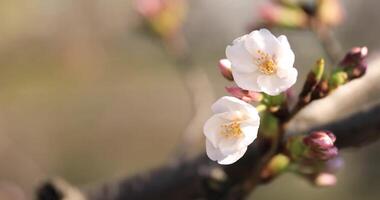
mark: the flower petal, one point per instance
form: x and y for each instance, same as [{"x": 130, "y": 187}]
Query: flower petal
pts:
[
  {"x": 240, "y": 58},
  {"x": 274, "y": 85},
  {"x": 262, "y": 40},
  {"x": 250, "y": 132},
  {"x": 230, "y": 104},
  {"x": 212, "y": 152},
  {"x": 284, "y": 56},
  {"x": 283, "y": 40},
  {"x": 228, "y": 146},
  {"x": 212, "y": 128},
  {"x": 233, "y": 157},
  {"x": 247, "y": 81}
]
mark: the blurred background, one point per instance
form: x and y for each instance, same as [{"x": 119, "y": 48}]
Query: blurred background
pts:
[{"x": 87, "y": 94}]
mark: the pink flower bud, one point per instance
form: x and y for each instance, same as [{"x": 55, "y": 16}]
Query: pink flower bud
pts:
[
  {"x": 325, "y": 179},
  {"x": 225, "y": 69},
  {"x": 149, "y": 8},
  {"x": 355, "y": 62},
  {"x": 321, "y": 145},
  {"x": 320, "y": 140},
  {"x": 278, "y": 15},
  {"x": 323, "y": 154},
  {"x": 245, "y": 95}
]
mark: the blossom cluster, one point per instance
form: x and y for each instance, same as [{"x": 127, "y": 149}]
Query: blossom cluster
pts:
[{"x": 259, "y": 63}]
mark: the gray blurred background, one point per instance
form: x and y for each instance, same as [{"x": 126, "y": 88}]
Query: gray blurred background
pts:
[{"x": 85, "y": 95}]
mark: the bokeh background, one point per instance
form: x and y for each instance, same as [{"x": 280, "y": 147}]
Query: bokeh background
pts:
[{"x": 87, "y": 95}]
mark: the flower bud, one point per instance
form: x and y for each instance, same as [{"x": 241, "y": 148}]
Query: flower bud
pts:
[
  {"x": 320, "y": 140},
  {"x": 323, "y": 154},
  {"x": 320, "y": 145},
  {"x": 321, "y": 90},
  {"x": 245, "y": 95},
  {"x": 325, "y": 179},
  {"x": 295, "y": 147},
  {"x": 313, "y": 79},
  {"x": 149, "y": 8},
  {"x": 163, "y": 17},
  {"x": 278, "y": 164},
  {"x": 355, "y": 62},
  {"x": 278, "y": 15},
  {"x": 319, "y": 69},
  {"x": 225, "y": 69},
  {"x": 337, "y": 79},
  {"x": 330, "y": 12}
]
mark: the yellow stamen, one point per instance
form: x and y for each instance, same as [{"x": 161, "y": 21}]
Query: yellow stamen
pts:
[
  {"x": 231, "y": 130},
  {"x": 266, "y": 63}
]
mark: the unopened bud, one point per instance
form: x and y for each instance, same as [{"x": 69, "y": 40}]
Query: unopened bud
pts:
[
  {"x": 149, "y": 8},
  {"x": 278, "y": 15},
  {"x": 320, "y": 145},
  {"x": 276, "y": 165},
  {"x": 225, "y": 68},
  {"x": 325, "y": 179},
  {"x": 321, "y": 90},
  {"x": 337, "y": 79},
  {"x": 245, "y": 95},
  {"x": 313, "y": 79},
  {"x": 330, "y": 12},
  {"x": 320, "y": 139},
  {"x": 319, "y": 69},
  {"x": 163, "y": 17},
  {"x": 295, "y": 147},
  {"x": 355, "y": 62},
  {"x": 322, "y": 154}
]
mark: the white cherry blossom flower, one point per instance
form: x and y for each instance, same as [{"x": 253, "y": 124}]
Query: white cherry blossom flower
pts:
[
  {"x": 230, "y": 130},
  {"x": 262, "y": 63}
]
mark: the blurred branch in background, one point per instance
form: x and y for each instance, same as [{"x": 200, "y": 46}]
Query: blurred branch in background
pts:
[
  {"x": 317, "y": 16},
  {"x": 165, "y": 19}
]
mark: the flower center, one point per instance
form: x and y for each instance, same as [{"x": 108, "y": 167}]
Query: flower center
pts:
[
  {"x": 231, "y": 130},
  {"x": 266, "y": 63}
]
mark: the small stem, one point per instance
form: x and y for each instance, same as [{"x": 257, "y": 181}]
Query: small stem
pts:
[{"x": 297, "y": 108}]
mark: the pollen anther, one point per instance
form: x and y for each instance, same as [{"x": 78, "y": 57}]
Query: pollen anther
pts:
[{"x": 232, "y": 130}]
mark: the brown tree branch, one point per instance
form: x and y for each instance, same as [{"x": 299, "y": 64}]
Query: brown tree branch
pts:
[
  {"x": 204, "y": 179},
  {"x": 358, "y": 130}
]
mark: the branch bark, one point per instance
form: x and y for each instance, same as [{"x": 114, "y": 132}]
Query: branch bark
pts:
[{"x": 203, "y": 179}]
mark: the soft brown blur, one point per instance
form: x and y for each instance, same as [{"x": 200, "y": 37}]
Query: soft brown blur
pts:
[{"x": 87, "y": 95}]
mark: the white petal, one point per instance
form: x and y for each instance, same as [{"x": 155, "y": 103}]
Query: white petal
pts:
[
  {"x": 262, "y": 40},
  {"x": 253, "y": 117},
  {"x": 283, "y": 40},
  {"x": 247, "y": 81},
  {"x": 229, "y": 146},
  {"x": 212, "y": 128},
  {"x": 284, "y": 56},
  {"x": 240, "y": 58},
  {"x": 274, "y": 85},
  {"x": 230, "y": 104},
  {"x": 250, "y": 132},
  {"x": 212, "y": 152},
  {"x": 233, "y": 157}
]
